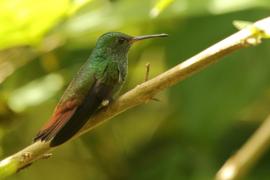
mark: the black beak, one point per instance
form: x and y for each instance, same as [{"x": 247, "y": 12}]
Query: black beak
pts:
[{"x": 139, "y": 38}]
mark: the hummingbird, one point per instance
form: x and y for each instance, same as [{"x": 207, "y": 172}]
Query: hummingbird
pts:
[{"x": 99, "y": 80}]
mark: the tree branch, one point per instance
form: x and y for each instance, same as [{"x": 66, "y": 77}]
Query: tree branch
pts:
[
  {"x": 250, "y": 35},
  {"x": 239, "y": 164}
]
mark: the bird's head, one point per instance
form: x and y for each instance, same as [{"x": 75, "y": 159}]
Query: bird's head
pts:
[{"x": 117, "y": 43}]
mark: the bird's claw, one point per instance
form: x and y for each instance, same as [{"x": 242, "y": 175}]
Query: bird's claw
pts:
[
  {"x": 46, "y": 156},
  {"x": 25, "y": 156},
  {"x": 105, "y": 102}
]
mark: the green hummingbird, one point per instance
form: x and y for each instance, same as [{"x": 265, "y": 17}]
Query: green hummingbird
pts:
[{"x": 98, "y": 80}]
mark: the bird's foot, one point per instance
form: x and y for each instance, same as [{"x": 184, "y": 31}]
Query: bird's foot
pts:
[
  {"x": 105, "y": 102},
  {"x": 26, "y": 156},
  {"x": 46, "y": 156}
]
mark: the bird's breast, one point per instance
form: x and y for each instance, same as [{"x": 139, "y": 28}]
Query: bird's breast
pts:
[{"x": 115, "y": 73}]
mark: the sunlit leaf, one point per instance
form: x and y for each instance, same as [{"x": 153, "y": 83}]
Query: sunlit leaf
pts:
[
  {"x": 223, "y": 6},
  {"x": 35, "y": 92},
  {"x": 26, "y": 22},
  {"x": 76, "y": 5},
  {"x": 241, "y": 24},
  {"x": 160, "y": 6}
]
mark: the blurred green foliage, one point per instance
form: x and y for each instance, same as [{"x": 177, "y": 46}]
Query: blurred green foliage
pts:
[{"x": 197, "y": 125}]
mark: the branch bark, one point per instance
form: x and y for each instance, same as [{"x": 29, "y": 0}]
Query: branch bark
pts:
[{"x": 250, "y": 35}]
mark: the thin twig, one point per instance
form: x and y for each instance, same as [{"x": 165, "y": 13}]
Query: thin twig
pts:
[
  {"x": 239, "y": 164},
  {"x": 147, "y": 67},
  {"x": 147, "y": 72},
  {"x": 145, "y": 91}
]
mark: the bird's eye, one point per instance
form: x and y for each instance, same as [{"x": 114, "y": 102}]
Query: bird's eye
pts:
[{"x": 121, "y": 40}]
